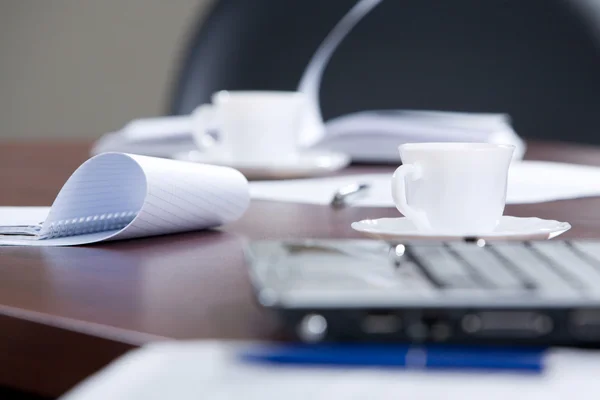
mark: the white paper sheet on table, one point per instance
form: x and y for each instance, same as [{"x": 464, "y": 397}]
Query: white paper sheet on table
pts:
[
  {"x": 121, "y": 196},
  {"x": 23, "y": 215},
  {"x": 210, "y": 370},
  {"x": 529, "y": 182}
]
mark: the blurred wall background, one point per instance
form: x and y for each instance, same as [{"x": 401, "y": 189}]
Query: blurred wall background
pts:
[{"x": 79, "y": 68}]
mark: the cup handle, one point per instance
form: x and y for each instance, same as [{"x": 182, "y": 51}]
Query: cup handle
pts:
[
  {"x": 402, "y": 173},
  {"x": 202, "y": 118}
]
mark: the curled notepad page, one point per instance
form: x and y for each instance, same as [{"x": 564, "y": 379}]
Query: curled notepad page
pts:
[{"x": 116, "y": 196}]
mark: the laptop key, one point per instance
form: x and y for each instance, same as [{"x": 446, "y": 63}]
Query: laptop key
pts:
[
  {"x": 490, "y": 266},
  {"x": 567, "y": 262},
  {"x": 590, "y": 250},
  {"x": 442, "y": 267},
  {"x": 547, "y": 280}
]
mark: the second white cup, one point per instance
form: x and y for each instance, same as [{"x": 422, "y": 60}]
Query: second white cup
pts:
[
  {"x": 253, "y": 126},
  {"x": 456, "y": 188}
]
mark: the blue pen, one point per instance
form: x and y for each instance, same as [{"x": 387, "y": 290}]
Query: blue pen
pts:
[{"x": 409, "y": 357}]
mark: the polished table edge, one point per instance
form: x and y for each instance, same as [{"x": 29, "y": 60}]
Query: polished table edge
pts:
[
  {"x": 41, "y": 364},
  {"x": 98, "y": 345},
  {"x": 101, "y": 331}
]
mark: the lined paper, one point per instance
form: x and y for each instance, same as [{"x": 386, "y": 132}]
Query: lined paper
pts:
[{"x": 155, "y": 196}]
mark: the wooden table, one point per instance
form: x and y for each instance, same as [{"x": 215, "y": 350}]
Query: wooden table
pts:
[{"x": 66, "y": 312}]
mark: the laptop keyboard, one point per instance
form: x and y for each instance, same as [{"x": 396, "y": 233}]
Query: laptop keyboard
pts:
[
  {"x": 543, "y": 267},
  {"x": 562, "y": 273}
]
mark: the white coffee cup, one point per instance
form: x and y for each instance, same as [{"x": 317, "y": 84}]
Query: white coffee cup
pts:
[
  {"x": 457, "y": 188},
  {"x": 252, "y": 126}
]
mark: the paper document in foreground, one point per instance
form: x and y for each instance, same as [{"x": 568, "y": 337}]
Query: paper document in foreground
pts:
[
  {"x": 211, "y": 370},
  {"x": 120, "y": 196},
  {"x": 528, "y": 182}
]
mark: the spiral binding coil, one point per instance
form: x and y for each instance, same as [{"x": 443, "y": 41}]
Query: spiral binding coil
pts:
[{"x": 89, "y": 224}]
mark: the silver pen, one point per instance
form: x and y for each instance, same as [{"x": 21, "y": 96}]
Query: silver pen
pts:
[{"x": 343, "y": 195}]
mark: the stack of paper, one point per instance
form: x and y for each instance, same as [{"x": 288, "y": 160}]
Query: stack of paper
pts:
[
  {"x": 370, "y": 136},
  {"x": 374, "y": 136}
]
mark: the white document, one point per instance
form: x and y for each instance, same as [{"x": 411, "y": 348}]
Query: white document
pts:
[
  {"x": 121, "y": 196},
  {"x": 211, "y": 370},
  {"x": 528, "y": 182},
  {"x": 157, "y": 137},
  {"x": 374, "y": 136}
]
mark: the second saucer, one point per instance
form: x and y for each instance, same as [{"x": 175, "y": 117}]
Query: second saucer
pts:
[{"x": 302, "y": 165}]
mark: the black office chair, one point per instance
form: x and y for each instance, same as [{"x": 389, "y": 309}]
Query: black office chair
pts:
[{"x": 537, "y": 60}]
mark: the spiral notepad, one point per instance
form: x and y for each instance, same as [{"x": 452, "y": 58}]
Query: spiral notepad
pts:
[{"x": 120, "y": 196}]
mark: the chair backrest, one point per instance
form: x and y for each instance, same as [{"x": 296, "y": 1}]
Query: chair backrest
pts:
[{"x": 537, "y": 60}]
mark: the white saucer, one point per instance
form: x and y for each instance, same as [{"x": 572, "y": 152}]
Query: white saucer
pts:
[
  {"x": 302, "y": 165},
  {"x": 509, "y": 228}
]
